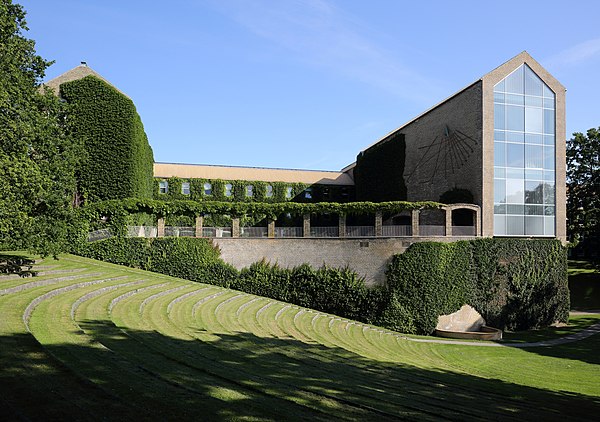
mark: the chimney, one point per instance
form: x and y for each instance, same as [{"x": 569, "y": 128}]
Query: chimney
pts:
[{"x": 84, "y": 64}]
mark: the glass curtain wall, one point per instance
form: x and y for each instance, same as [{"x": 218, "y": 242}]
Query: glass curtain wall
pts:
[{"x": 524, "y": 154}]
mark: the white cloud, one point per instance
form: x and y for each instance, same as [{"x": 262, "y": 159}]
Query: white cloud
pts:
[
  {"x": 321, "y": 35},
  {"x": 577, "y": 54}
]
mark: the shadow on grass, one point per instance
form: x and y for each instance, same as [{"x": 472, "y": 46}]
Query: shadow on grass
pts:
[{"x": 150, "y": 376}]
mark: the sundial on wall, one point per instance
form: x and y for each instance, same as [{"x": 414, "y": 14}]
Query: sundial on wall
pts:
[{"x": 446, "y": 154}]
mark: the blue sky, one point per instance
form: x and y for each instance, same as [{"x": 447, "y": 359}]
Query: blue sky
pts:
[{"x": 308, "y": 83}]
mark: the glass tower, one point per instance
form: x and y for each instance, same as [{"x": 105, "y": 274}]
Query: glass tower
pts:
[{"x": 524, "y": 158}]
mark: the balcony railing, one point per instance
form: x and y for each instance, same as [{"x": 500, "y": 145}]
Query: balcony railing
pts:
[
  {"x": 253, "y": 232},
  {"x": 289, "y": 232},
  {"x": 324, "y": 231},
  {"x": 180, "y": 231},
  {"x": 360, "y": 231},
  {"x": 396, "y": 231},
  {"x": 431, "y": 230},
  {"x": 463, "y": 231}
]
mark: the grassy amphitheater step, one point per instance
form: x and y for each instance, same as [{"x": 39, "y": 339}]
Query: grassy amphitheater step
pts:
[{"x": 87, "y": 340}]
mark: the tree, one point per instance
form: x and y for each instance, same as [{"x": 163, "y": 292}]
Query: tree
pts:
[
  {"x": 583, "y": 190},
  {"x": 37, "y": 159}
]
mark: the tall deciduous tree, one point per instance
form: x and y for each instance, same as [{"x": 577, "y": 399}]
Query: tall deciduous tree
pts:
[
  {"x": 583, "y": 185},
  {"x": 37, "y": 178}
]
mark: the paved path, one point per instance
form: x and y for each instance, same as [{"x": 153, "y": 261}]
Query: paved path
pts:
[{"x": 580, "y": 335}]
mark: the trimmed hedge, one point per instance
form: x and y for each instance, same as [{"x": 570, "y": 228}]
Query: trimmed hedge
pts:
[
  {"x": 515, "y": 284},
  {"x": 119, "y": 161},
  {"x": 188, "y": 258}
]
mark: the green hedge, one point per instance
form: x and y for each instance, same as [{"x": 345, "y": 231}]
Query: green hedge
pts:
[
  {"x": 119, "y": 160},
  {"x": 318, "y": 193},
  {"x": 515, "y": 284},
  {"x": 188, "y": 258}
]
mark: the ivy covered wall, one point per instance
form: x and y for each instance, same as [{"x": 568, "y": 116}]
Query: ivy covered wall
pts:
[
  {"x": 271, "y": 192},
  {"x": 379, "y": 171},
  {"x": 118, "y": 159}
]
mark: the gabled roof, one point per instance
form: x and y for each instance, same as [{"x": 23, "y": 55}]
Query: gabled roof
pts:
[
  {"x": 502, "y": 70},
  {"x": 74, "y": 74}
]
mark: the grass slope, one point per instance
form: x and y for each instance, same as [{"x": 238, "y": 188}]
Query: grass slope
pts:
[{"x": 88, "y": 340}]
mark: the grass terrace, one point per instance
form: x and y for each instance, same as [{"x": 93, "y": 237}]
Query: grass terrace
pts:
[{"x": 87, "y": 340}]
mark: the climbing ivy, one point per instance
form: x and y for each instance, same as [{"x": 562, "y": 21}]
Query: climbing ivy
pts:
[
  {"x": 118, "y": 162},
  {"x": 279, "y": 193},
  {"x": 515, "y": 284}
]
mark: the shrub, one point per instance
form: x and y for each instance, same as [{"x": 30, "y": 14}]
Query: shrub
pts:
[{"x": 515, "y": 284}]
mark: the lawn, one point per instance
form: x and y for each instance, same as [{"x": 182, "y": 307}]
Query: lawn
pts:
[{"x": 87, "y": 340}]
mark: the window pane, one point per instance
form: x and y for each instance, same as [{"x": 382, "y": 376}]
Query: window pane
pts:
[
  {"x": 269, "y": 192},
  {"x": 515, "y": 225},
  {"x": 549, "y": 103},
  {"x": 549, "y": 158},
  {"x": 549, "y": 139},
  {"x": 549, "y": 176},
  {"x": 498, "y": 97},
  {"x": 515, "y": 118},
  {"x": 549, "y": 210},
  {"x": 515, "y": 99},
  {"x": 534, "y": 226},
  {"x": 515, "y": 192},
  {"x": 515, "y": 136},
  {"x": 549, "y": 193},
  {"x": 515, "y": 155},
  {"x": 499, "y": 154},
  {"x": 533, "y": 101},
  {"x": 534, "y": 156},
  {"x": 499, "y": 87},
  {"x": 534, "y": 192},
  {"x": 515, "y": 209},
  {"x": 499, "y": 135},
  {"x": 499, "y": 117},
  {"x": 533, "y": 84},
  {"x": 534, "y": 210},
  {"x": 548, "y": 121},
  {"x": 531, "y": 138},
  {"x": 549, "y": 226},
  {"x": 512, "y": 173},
  {"x": 207, "y": 189},
  {"x": 534, "y": 174},
  {"x": 533, "y": 119},
  {"x": 499, "y": 191},
  {"x": 514, "y": 82},
  {"x": 548, "y": 92},
  {"x": 500, "y": 209},
  {"x": 499, "y": 172},
  {"x": 499, "y": 225},
  {"x": 185, "y": 188}
]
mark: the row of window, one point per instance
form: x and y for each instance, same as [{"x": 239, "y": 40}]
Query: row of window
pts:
[{"x": 163, "y": 187}]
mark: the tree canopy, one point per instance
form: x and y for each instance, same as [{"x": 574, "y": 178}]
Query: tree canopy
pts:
[
  {"x": 583, "y": 187},
  {"x": 37, "y": 159}
]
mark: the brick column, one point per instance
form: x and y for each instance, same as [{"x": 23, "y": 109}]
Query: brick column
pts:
[
  {"x": 199, "y": 224},
  {"x": 160, "y": 226},
  {"x": 235, "y": 227},
  {"x": 306, "y": 225},
  {"x": 448, "y": 222},
  {"x": 271, "y": 228},
  {"x": 415, "y": 222},
  {"x": 378, "y": 223},
  {"x": 342, "y": 225}
]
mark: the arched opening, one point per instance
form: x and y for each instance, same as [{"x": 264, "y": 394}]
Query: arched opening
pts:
[
  {"x": 463, "y": 222},
  {"x": 432, "y": 222}
]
